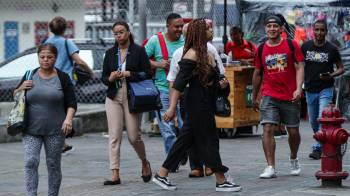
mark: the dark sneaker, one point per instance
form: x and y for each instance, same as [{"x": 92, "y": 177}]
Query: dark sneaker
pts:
[
  {"x": 284, "y": 133},
  {"x": 315, "y": 154},
  {"x": 163, "y": 182},
  {"x": 68, "y": 149},
  {"x": 277, "y": 134},
  {"x": 228, "y": 187}
]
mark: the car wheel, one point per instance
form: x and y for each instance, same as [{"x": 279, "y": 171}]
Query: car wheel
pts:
[
  {"x": 245, "y": 130},
  {"x": 227, "y": 132}
]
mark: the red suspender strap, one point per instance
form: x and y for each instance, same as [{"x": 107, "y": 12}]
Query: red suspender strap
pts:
[{"x": 164, "y": 49}]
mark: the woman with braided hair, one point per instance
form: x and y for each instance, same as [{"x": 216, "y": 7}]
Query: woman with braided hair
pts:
[{"x": 198, "y": 70}]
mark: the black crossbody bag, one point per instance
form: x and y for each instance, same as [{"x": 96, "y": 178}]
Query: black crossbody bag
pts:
[{"x": 80, "y": 75}]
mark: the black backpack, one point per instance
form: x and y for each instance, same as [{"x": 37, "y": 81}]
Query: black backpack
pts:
[{"x": 260, "y": 51}]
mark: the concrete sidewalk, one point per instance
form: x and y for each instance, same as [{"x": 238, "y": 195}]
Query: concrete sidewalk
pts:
[
  {"x": 88, "y": 118},
  {"x": 85, "y": 169}
]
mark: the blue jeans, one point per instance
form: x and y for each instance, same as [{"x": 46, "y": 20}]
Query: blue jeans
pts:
[
  {"x": 316, "y": 102},
  {"x": 168, "y": 129}
]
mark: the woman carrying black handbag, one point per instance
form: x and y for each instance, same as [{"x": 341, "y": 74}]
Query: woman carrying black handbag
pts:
[{"x": 122, "y": 64}]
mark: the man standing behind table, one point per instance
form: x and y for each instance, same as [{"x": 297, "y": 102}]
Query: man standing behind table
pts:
[
  {"x": 320, "y": 57},
  {"x": 239, "y": 49},
  {"x": 173, "y": 40},
  {"x": 283, "y": 75}
]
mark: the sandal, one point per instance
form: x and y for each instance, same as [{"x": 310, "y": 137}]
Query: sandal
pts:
[
  {"x": 208, "y": 171},
  {"x": 196, "y": 174}
]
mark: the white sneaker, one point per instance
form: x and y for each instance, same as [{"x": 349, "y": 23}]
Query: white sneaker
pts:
[
  {"x": 269, "y": 172},
  {"x": 228, "y": 185},
  {"x": 295, "y": 167},
  {"x": 163, "y": 182}
]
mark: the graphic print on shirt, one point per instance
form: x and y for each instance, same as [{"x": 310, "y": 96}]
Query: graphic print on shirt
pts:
[
  {"x": 276, "y": 63},
  {"x": 315, "y": 56}
]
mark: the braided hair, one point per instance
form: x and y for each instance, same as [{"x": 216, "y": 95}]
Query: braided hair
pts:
[{"x": 196, "y": 38}]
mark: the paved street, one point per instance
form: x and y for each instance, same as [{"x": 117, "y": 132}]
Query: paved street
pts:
[{"x": 86, "y": 168}]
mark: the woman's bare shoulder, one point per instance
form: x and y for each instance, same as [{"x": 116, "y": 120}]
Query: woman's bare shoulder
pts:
[
  {"x": 211, "y": 59},
  {"x": 190, "y": 54}
]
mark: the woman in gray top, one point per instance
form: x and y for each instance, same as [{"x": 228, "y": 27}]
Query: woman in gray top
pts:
[{"x": 50, "y": 108}]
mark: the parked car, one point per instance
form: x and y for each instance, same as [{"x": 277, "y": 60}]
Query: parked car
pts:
[{"x": 93, "y": 91}]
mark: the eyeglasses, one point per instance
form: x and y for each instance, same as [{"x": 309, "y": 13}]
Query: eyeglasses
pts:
[{"x": 119, "y": 33}]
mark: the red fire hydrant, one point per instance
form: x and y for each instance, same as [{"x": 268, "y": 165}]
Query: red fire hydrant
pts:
[{"x": 332, "y": 136}]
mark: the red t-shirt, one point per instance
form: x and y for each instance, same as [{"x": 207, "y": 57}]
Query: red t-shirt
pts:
[
  {"x": 279, "y": 79},
  {"x": 245, "y": 51}
]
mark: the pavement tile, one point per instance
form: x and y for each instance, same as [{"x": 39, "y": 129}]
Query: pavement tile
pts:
[{"x": 85, "y": 169}]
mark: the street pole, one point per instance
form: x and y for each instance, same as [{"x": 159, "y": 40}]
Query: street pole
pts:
[
  {"x": 224, "y": 37},
  {"x": 142, "y": 6},
  {"x": 142, "y": 20},
  {"x": 131, "y": 15},
  {"x": 195, "y": 9},
  {"x": 238, "y": 6}
]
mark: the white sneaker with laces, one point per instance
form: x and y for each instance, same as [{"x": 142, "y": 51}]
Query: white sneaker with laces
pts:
[
  {"x": 228, "y": 185},
  {"x": 295, "y": 167},
  {"x": 163, "y": 182},
  {"x": 269, "y": 172}
]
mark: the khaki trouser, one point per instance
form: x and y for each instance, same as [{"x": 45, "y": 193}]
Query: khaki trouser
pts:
[{"x": 117, "y": 111}]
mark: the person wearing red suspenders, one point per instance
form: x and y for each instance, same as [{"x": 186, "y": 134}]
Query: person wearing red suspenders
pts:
[{"x": 162, "y": 56}]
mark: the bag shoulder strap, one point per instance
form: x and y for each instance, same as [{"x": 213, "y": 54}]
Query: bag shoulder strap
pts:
[
  {"x": 260, "y": 51},
  {"x": 164, "y": 49},
  {"x": 162, "y": 45},
  {"x": 290, "y": 44},
  {"x": 29, "y": 74},
  {"x": 291, "y": 48},
  {"x": 44, "y": 40},
  {"x": 145, "y": 42},
  {"x": 69, "y": 57}
]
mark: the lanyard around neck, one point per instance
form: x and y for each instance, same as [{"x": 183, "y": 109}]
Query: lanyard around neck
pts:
[{"x": 119, "y": 67}]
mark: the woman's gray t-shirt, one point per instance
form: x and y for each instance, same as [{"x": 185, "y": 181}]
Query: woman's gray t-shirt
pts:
[{"x": 45, "y": 106}]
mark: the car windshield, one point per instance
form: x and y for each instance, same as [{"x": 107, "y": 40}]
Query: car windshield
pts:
[{"x": 20, "y": 65}]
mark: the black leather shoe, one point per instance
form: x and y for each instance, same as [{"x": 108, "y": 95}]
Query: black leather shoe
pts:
[
  {"x": 110, "y": 182},
  {"x": 147, "y": 178}
]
